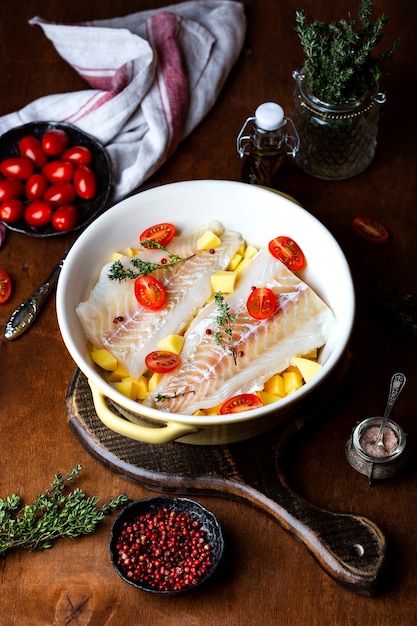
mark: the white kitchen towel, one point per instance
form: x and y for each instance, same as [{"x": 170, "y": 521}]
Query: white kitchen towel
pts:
[{"x": 153, "y": 76}]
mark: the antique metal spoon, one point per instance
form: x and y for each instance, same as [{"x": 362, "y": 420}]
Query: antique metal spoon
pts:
[{"x": 397, "y": 383}]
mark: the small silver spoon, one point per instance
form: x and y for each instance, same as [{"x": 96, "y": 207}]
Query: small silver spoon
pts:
[{"x": 397, "y": 383}]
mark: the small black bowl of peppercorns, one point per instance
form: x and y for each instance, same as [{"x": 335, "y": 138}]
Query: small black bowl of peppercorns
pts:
[{"x": 166, "y": 545}]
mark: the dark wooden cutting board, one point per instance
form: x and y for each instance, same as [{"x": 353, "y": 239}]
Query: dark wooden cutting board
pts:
[{"x": 350, "y": 548}]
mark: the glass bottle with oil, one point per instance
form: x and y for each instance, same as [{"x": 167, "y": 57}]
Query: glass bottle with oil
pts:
[{"x": 265, "y": 149}]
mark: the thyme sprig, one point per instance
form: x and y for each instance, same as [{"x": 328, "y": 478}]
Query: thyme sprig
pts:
[
  {"x": 53, "y": 515},
  {"x": 225, "y": 320},
  {"x": 160, "y": 397},
  {"x": 117, "y": 270}
]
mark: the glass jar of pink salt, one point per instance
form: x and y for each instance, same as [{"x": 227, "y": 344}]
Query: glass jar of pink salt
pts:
[{"x": 377, "y": 462}]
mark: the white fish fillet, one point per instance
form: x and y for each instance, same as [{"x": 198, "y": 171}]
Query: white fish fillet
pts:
[
  {"x": 187, "y": 287},
  {"x": 208, "y": 375}
]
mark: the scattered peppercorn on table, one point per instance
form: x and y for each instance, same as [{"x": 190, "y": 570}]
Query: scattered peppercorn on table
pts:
[{"x": 265, "y": 576}]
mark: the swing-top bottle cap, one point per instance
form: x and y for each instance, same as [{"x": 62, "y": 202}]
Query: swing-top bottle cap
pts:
[{"x": 269, "y": 116}]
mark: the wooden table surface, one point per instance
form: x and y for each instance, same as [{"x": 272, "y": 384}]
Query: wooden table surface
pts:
[{"x": 267, "y": 578}]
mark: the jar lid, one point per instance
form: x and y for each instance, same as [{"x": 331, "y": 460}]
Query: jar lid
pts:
[{"x": 269, "y": 116}]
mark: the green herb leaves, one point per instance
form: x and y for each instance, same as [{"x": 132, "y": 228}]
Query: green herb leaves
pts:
[
  {"x": 142, "y": 268},
  {"x": 225, "y": 322},
  {"x": 338, "y": 56},
  {"x": 53, "y": 515}
]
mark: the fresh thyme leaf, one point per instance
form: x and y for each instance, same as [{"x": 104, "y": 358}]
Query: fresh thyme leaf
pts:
[
  {"x": 54, "y": 514},
  {"x": 160, "y": 397},
  {"x": 117, "y": 270},
  {"x": 225, "y": 321}
]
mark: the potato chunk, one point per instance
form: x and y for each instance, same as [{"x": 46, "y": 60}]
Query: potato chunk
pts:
[
  {"x": 223, "y": 281},
  {"x": 208, "y": 240}
]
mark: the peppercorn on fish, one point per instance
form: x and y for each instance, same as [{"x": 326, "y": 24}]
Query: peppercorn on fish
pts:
[
  {"x": 211, "y": 371},
  {"x": 113, "y": 319}
]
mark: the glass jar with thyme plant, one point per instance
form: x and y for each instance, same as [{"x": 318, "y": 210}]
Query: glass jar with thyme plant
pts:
[{"x": 336, "y": 99}]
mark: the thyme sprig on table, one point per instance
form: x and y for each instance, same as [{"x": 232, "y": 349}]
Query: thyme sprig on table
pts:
[
  {"x": 225, "y": 321},
  {"x": 53, "y": 515},
  {"x": 142, "y": 268}
]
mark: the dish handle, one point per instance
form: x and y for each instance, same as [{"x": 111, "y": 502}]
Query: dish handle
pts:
[{"x": 170, "y": 431}]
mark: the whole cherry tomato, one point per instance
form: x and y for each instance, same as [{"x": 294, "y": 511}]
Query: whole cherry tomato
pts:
[
  {"x": 55, "y": 141},
  {"x": 79, "y": 155},
  {"x": 31, "y": 148},
  {"x": 11, "y": 188},
  {"x": 11, "y": 210},
  {"x": 5, "y": 286},
  {"x": 65, "y": 217},
  {"x": 36, "y": 185},
  {"x": 244, "y": 402},
  {"x": 17, "y": 167},
  {"x": 58, "y": 171},
  {"x": 162, "y": 361},
  {"x": 85, "y": 182},
  {"x": 38, "y": 213},
  {"x": 60, "y": 193}
]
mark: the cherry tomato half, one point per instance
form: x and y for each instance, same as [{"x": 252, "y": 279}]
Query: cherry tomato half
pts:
[
  {"x": 55, "y": 141},
  {"x": 11, "y": 210},
  {"x": 85, "y": 182},
  {"x": 58, "y": 171},
  {"x": 244, "y": 402},
  {"x": 370, "y": 229},
  {"x": 288, "y": 252},
  {"x": 261, "y": 303},
  {"x": 149, "y": 292},
  {"x": 31, "y": 148},
  {"x": 162, "y": 361},
  {"x": 11, "y": 188},
  {"x": 38, "y": 213},
  {"x": 60, "y": 193},
  {"x": 36, "y": 185},
  {"x": 5, "y": 286},
  {"x": 65, "y": 217},
  {"x": 79, "y": 155},
  {"x": 17, "y": 167},
  {"x": 160, "y": 233}
]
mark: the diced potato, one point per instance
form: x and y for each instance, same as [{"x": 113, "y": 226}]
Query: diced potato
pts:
[
  {"x": 154, "y": 380},
  {"x": 275, "y": 385},
  {"x": 118, "y": 374},
  {"x": 267, "y": 398},
  {"x": 128, "y": 387},
  {"x": 307, "y": 368},
  {"x": 234, "y": 261},
  {"x": 208, "y": 240},
  {"x": 250, "y": 252},
  {"x": 116, "y": 256},
  {"x": 241, "y": 266},
  {"x": 223, "y": 281},
  {"x": 131, "y": 252},
  {"x": 199, "y": 412},
  {"x": 311, "y": 355},
  {"x": 142, "y": 384},
  {"x": 292, "y": 381},
  {"x": 104, "y": 359},
  {"x": 172, "y": 343},
  {"x": 241, "y": 249}
]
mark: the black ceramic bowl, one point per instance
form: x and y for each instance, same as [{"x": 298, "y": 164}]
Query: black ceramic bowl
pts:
[
  {"x": 88, "y": 209},
  {"x": 204, "y": 521}
]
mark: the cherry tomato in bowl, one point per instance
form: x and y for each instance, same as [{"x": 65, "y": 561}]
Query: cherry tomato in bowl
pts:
[
  {"x": 11, "y": 210},
  {"x": 55, "y": 141},
  {"x": 162, "y": 361},
  {"x": 243, "y": 402},
  {"x": 288, "y": 252},
  {"x": 149, "y": 292},
  {"x": 65, "y": 217},
  {"x": 160, "y": 233},
  {"x": 261, "y": 303}
]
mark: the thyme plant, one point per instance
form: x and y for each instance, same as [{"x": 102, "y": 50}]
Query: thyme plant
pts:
[{"x": 340, "y": 59}]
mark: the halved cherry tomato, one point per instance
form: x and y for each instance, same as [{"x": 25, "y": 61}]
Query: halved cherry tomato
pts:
[
  {"x": 288, "y": 252},
  {"x": 55, "y": 141},
  {"x": 11, "y": 188},
  {"x": 370, "y": 229},
  {"x": 244, "y": 402},
  {"x": 261, "y": 303},
  {"x": 162, "y": 361},
  {"x": 160, "y": 233},
  {"x": 58, "y": 171},
  {"x": 149, "y": 292},
  {"x": 36, "y": 185},
  {"x": 31, "y": 148},
  {"x": 17, "y": 167},
  {"x": 60, "y": 193},
  {"x": 11, "y": 210},
  {"x": 38, "y": 213},
  {"x": 85, "y": 182},
  {"x": 5, "y": 286},
  {"x": 65, "y": 217},
  {"x": 79, "y": 155}
]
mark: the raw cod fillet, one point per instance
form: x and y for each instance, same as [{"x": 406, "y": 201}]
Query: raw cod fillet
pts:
[
  {"x": 208, "y": 375},
  {"x": 187, "y": 287}
]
